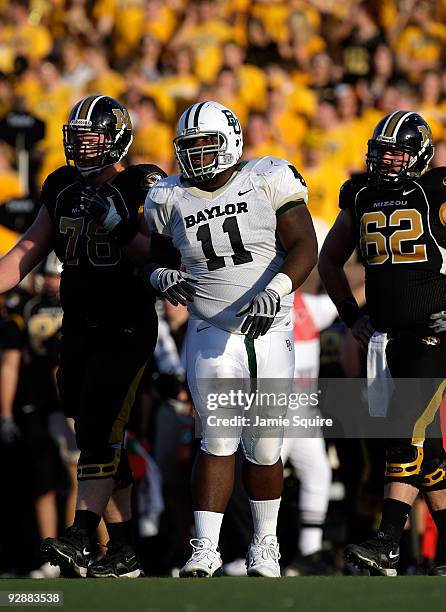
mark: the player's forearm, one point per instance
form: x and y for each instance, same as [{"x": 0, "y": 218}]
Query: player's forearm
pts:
[
  {"x": 334, "y": 279},
  {"x": 15, "y": 265},
  {"x": 299, "y": 262},
  {"x": 9, "y": 376},
  {"x": 138, "y": 249}
]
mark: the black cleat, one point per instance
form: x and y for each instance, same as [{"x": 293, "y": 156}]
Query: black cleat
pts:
[
  {"x": 72, "y": 552},
  {"x": 380, "y": 555},
  {"x": 119, "y": 562},
  {"x": 316, "y": 564},
  {"x": 437, "y": 570}
]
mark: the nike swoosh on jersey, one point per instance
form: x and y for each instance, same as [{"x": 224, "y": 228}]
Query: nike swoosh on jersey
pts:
[
  {"x": 407, "y": 192},
  {"x": 393, "y": 555},
  {"x": 243, "y": 192},
  {"x": 203, "y": 328}
]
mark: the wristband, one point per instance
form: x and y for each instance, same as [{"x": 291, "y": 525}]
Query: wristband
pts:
[
  {"x": 281, "y": 284},
  {"x": 154, "y": 277},
  {"x": 349, "y": 311}
]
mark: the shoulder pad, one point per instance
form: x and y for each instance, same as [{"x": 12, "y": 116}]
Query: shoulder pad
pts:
[
  {"x": 162, "y": 190},
  {"x": 267, "y": 165},
  {"x": 350, "y": 188},
  {"x": 58, "y": 180},
  {"x": 143, "y": 176},
  {"x": 436, "y": 177}
]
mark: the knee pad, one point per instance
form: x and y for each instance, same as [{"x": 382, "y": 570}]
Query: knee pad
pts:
[
  {"x": 434, "y": 466},
  {"x": 263, "y": 451},
  {"x": 219, "y": 447},
  {"x": 124, "y": 474},
  {"x": 403, "y": 463},
  {"x": 98, "y": 464}
]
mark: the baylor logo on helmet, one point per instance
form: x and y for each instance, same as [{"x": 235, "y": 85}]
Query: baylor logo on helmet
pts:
[{"x": 232, "y": 121}]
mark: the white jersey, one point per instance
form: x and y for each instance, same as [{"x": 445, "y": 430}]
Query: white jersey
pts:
[{"x": 227, "y": 238}]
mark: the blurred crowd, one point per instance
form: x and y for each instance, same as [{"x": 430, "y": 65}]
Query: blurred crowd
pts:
[{"x": 308, "y": 79}]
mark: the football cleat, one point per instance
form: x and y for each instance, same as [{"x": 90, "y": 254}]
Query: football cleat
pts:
[
  {"x": 45, "y": 571},
  {"x": 310, "y": 565},
  {"x": 119, "y": 562},
  {"x": 205, "y": 560},
  {"x": 380, "y": 555},
  {"x": 73, "y": 551},
  {"x": 235, "y": 568},
  {"x": 437, "y": 570},
  {"x": 263, "y": 557}
]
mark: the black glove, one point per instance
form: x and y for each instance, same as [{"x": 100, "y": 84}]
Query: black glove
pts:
[
  {"x": 174, "y": 285},
  {"x": 261, "y": 313},
  {"x": 100, "y": 206},
  {"x": 9, "y": 432}
]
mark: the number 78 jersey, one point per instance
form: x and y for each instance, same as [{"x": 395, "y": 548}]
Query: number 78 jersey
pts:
[
  {"x": 402, "y": 240},
  {"x": 227, "y": 238}
]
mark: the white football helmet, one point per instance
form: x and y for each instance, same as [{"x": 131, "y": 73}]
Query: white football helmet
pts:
[{"x": 208, "y": 119}]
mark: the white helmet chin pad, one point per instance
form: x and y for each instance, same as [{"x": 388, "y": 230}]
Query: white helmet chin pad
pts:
[{"x": 208, "y": 119}]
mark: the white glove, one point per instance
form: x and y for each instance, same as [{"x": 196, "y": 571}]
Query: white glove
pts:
[
  {"x": 261, "y": 313},
  {"x": 174, "y": 285},
  {"x": 438, "y": 321}
]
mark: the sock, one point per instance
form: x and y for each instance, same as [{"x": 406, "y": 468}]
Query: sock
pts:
[
  {"x": 121, "y": 534},
  {"x": 310, "y": 539},
  {"x": 394, "y": 518},
  {"x": 439, "y": 517},
  {"x": 87, "y": 520},
  {"x": 208, "y": 525},
  {"x": 264, "y": 516}
]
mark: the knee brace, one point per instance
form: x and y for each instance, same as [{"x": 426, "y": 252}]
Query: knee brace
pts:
[
  {"x": 219, "y": 447},
  {"x": 434, "y": 466},
  {"x": 403, "y": 463},
  {"x": 263, "y": 451},
  {"x": 98, "y": 464}
]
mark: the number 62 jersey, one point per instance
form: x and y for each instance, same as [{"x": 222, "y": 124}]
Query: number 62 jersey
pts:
[
  {"x": 227, "y": 238},
  {"x": 402, "y": 241}
]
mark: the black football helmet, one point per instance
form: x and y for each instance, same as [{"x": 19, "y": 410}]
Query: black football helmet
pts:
[
  {"x": 401, "y": 132},
  {"x": 98, "y": 133}
]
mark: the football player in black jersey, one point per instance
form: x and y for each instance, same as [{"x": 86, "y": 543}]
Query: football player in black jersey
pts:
[
  {"x": 396, "y": 214},
  {"x": 89, "y": 217}
]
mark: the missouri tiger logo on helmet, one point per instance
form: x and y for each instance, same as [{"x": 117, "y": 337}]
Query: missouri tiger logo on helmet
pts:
[
  {"x": 401, "y": 147},
  {"x": 98, "y": 133}
]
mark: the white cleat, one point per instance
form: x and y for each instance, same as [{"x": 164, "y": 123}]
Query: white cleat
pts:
[
  {"x": 235, "y": 568},
  {"x": 45, "y": 571},
  {"x": 263, "y": 557},
  {"x": 205, "y": 560}
]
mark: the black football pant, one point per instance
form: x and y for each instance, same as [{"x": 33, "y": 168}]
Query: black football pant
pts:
[
  {"x": 100, "y": 369},
  {"x": 417, "y": 361}
]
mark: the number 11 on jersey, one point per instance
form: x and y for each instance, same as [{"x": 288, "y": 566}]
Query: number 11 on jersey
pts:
[{"x": 230, "y": 227}]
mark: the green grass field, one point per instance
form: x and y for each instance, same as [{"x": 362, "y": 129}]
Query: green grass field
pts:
[{"x": 358, "y": 594}]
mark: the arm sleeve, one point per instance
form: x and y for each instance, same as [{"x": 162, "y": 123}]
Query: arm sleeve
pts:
[
  {"x": 54, "y": 183},
  {"x": 346, "y": 196},
  {"x": 156, "y": 216},
  {"x": 286, "y": 187}
]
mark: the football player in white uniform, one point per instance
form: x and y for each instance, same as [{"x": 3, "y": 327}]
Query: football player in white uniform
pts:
[{"x": 246, "y": 241}]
